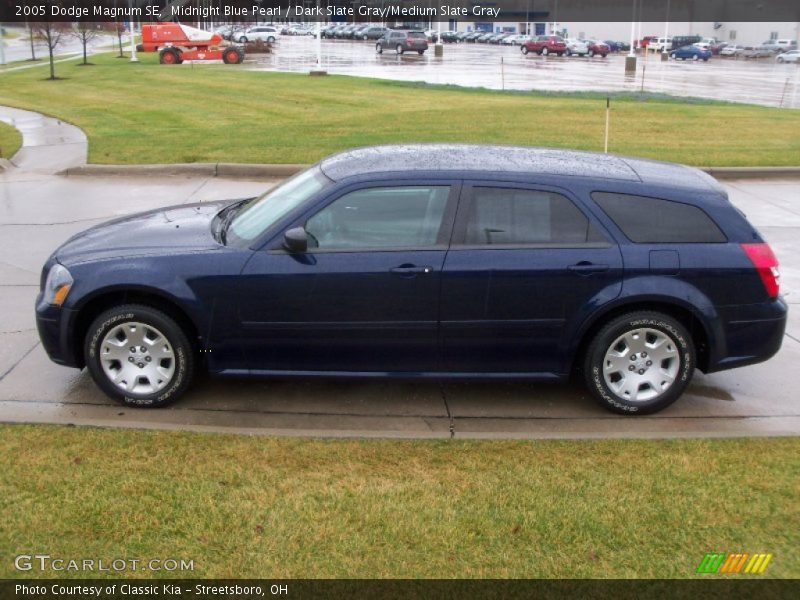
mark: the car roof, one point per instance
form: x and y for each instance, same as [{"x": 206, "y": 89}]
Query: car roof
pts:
[{"x": 467, "y": 159}]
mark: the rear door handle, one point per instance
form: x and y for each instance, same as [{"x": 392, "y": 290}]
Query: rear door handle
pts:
[
  {"x": 587, "y": 268},
  {"x": 408, "y": 270}
]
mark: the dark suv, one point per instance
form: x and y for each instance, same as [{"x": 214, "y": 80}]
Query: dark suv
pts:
[
  {"x": 426, "y": 261},
  {"x": 403, "y": 41}
]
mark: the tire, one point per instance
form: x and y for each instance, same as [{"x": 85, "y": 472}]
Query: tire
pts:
[
  {"x": 645, "y": 335},
  {"x": 365, "y": 38},
  {"x": 271, "y": 39},
  {"x": 399, "y": 49},
  {"x": 243, "y": 40},
  {"x": 695, "y": 57},
  {"x": 780, "y": 60},
  {"x": 524, "y": 49},
  {"x": 544, "y": 51},
  {"x": 378, "y": 48},
  {"x": 705, "y": 60},
  {"x": 169, "y": 56},
  {"x": 568, "y": 52},
  {"x": 590, "y": 53},
  {"x": 421, "y": 52},
  {"x": 604, "y": 55},
  {"x": 673, "y": 56},
  {"x": 232, "y": 56},
  {"x": 108, "y": 355}
]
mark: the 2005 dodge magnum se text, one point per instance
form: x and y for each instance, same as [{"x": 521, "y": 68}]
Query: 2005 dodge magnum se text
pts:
[{"x": 426, "y": 261}]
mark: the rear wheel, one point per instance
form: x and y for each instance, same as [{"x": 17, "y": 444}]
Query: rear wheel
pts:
[
  {"x": 524, "y": 49},
  {"x": 139, "y": 356},
  {"x": 639, "y": 363},
  {"x": 243, "y": 39},
  {"x": 673, "y": 56},
  {"x": 378, "y": 48},
  {"x": 232, "y": 56},
  {"x": 271, "y": 39},
  {"x": 169, "y": 56},
  {"x": 399, "y": 49},
  {"x": 544, "y": 51},
  {"x": 421, "y": 52}
]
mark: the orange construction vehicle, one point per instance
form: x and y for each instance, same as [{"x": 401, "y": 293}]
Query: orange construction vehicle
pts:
[{"x": 175, "y": 43}]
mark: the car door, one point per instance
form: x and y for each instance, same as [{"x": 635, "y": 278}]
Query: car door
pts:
[
  {"x": 364, "y": 297},
  {"x": 526, "y": 265}
]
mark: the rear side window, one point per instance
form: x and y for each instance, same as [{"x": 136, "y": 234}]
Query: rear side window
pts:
[
  {"x": 646, "y": 220},
  {"x": 508, "y": 216},
  {"x": 416, "y": 34}
]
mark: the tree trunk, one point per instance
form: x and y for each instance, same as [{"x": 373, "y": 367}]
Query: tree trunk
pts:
[
  {"x": 30, "y": 34},
  {"x": 52, "y": 66},
  {"x": 85, "y": 41}
]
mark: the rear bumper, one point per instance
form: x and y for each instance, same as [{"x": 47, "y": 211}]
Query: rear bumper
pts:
[{"x": 751, "y": 334}]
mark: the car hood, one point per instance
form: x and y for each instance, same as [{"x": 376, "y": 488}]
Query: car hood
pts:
[{"x": 186, "y": 227}]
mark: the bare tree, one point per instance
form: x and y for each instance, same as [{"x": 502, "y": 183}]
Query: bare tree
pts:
[
  {"x": 51, "y": 34},
  {"x": 85, "y": 33},
  {"x": 120, "y": 29},
  {"x": 31, "y": 36}
]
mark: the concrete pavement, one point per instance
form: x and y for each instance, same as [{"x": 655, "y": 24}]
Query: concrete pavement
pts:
[{"x": 39, "y": 210}]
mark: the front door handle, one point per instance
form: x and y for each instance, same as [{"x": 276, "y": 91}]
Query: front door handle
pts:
[
  {"x": 409, "y": 270},
  {"x": 587, "y": 268}
]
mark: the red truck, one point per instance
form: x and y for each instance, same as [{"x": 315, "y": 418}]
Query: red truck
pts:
[{"x": 544, "y": 45}]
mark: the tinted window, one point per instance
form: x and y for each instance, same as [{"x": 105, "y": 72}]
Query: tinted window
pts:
[
  {"x": 651, "y": 220},
  {"x": 512, "y": 216},
  {"x": 394, "y": 217},
  {"x": 416, "y": 34}
]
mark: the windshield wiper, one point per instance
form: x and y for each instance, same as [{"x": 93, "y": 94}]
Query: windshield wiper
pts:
[{"x": 230, "y": 212}]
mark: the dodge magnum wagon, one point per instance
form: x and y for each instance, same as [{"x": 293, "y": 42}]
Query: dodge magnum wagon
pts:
[{"x": 426, "y": 261}]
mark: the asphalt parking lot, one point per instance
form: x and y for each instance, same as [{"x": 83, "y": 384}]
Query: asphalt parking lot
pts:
[
  {"x": 40, "y": 210},
  {"x": 504, "y": 67}
]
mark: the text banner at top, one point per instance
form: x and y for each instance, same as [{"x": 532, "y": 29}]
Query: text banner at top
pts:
[{"x": 399, "y": 11}]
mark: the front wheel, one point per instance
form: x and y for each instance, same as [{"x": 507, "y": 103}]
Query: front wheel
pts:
[
  {"x": 243, "y": 40},
  {"x": 421, "y": 52},
  {"x": 232, "y": 56},
  {"x": 524, "y": 49},
  {"x": 399, "y": 49},
  {"x": 639, "y": 363},
  {"x": 378, "y": 48},
  {"x": 673, "y": 56},
  {"x": 544, "y": 51},
  {"x": 139, "y": 356},
  {"x": 271, "y": 39}
]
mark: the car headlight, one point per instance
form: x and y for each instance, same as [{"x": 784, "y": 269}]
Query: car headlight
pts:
[{"x": 57, "y": 285}]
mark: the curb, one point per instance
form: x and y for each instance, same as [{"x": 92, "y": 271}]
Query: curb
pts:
[
  {"x": 229, "y": 170},
  {"x": 256, "y": 171}
]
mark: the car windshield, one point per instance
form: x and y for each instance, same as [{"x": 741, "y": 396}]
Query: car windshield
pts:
[{"x": 257, "y": 215}]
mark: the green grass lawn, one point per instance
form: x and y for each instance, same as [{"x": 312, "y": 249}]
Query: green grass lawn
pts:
[
  {"x": 149, "y": 113},
  {"x": 267, "y": 507},
  {"x": 10, "y": 140}
]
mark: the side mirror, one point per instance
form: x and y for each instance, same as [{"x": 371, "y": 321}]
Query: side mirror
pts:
[{"x": 296, "y": 240}]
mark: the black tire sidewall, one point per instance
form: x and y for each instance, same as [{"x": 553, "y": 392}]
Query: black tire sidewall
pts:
[
  {"x": 184, "y": 357},
  {"x": 595, "y": 355}
]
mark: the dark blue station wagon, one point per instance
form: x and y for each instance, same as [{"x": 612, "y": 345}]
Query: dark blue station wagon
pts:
[{"x": 426, "y": 261}]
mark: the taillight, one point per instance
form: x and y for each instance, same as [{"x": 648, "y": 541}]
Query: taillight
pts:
[{"x": 766, "y": 264}]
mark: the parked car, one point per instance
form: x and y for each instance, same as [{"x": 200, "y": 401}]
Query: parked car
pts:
[
  {"x": 788, "y": 57},
  {"x": 373, "y": 33},
  {"x": 596, "y": 47},
  {"x": 576, "y": 47},
  {"x": 691, "y": 52},
  {"x": 732, "y": 50},
  {"x": 718, "y": 47},
  {"x": 660, "y": 44},
  {"x": 473, "y": 37},
  {"x": 756, "y": 53},
  {"x": 544, "y": 45},
  {"x": 516, "y": 40},
  {"x": 433, "y": 261},
  {"x": 262, "y": 33},
  {"x": 403, "y": 41},
  {"x": 779, "y": 45},
  {"x": 450, "y": 37},
  {"x": 484, "y": 38}
]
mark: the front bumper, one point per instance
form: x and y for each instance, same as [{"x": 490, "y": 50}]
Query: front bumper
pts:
[
  {"x": 56, "y": 325},
  {"x": 752, "y": 333}
]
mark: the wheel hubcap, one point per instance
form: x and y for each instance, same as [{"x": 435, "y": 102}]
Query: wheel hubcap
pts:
[
  {"x": 641, "y": 365},
  {"x": 137, "y": 358}
]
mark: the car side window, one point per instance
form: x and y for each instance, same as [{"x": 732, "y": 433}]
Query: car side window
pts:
[
  {"x": 653, "y": 220},
  {"x": 381, "y": 217},
  {"x": 509, "y": 216}
]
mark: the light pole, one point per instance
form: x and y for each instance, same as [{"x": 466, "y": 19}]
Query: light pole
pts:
[
  {"x": 318, "y": 71},
  {"x": 630, "y": 60},
  {"x": 664, "y": 53},
  {"x": 130, "y": 30}
]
